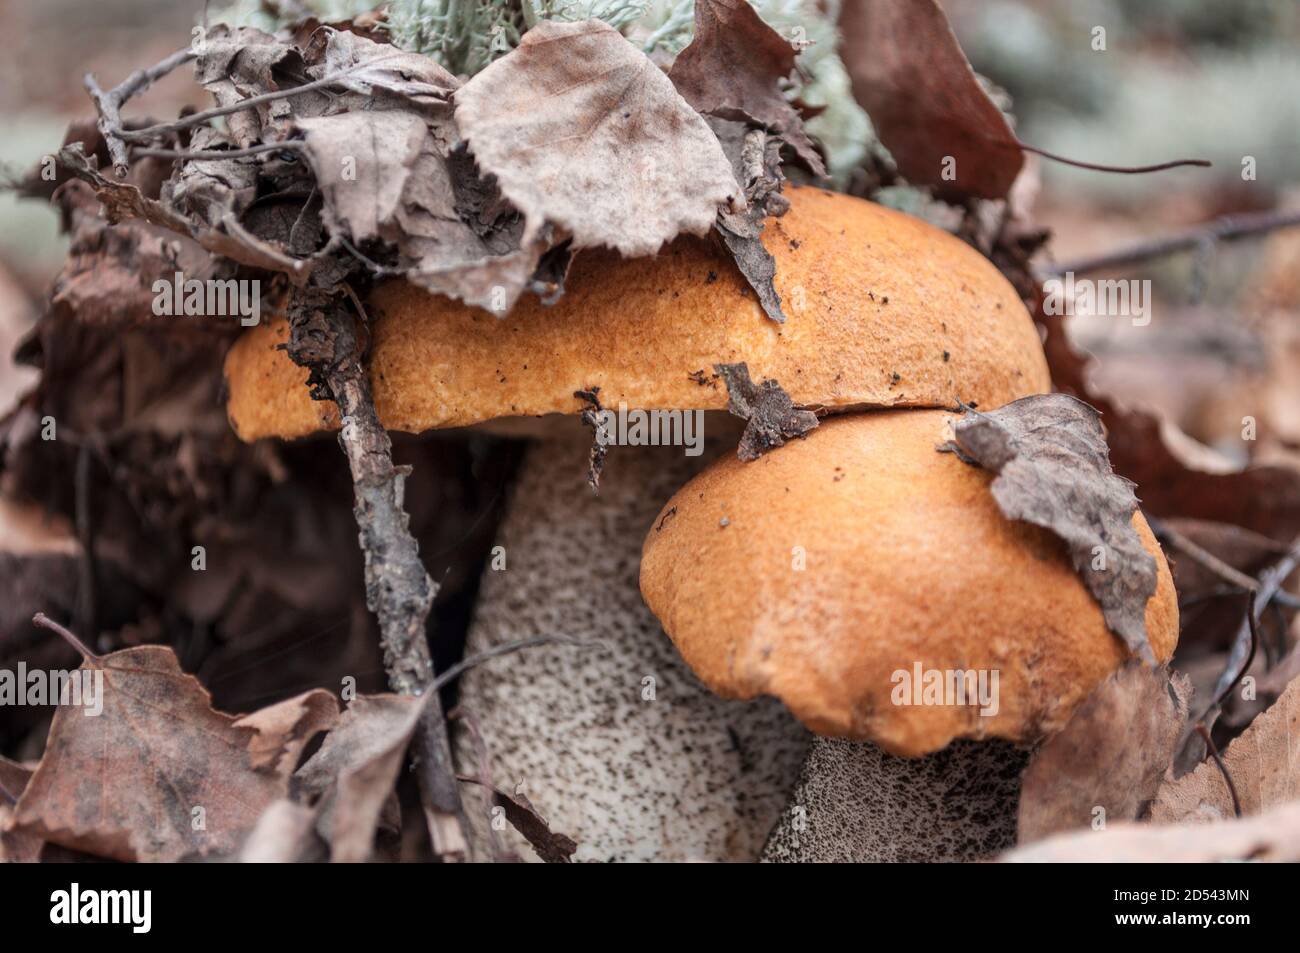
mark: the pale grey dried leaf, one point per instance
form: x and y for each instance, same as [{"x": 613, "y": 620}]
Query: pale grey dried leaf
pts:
[
  {"x": 1053, "y": 470},
  {"x": 365, "y": 67},
  {"x": 355, "y": 771},
  {"x": 122, "y": 200},
  {"x": 362, "y": 162},
  {"x": 741, "y": 236},
  {"x": 1273, "y": 837},
  {"x": 756, "y": 162},
  {"x": 733, "y": 69},
  {"x": 284, "y": 834},
  {"x": 234, "y": 64},
  {"x": 771, "y": 414},
  {"x": 1112, "y": 754},
  {"x": 584, "y": 132}
]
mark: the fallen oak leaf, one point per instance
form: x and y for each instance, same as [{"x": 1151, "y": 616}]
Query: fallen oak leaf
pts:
[
  {"x": 733, "y": 68},
  {"x": 1263, "y": 762},
  {"x": 552, "y": 847},
  {"x": 1273, "y": 837},
  {"x": 585, "y": 133},
  {"x": 926, "y": 103},
  {"x": 129, "y": 783},
  {"x": 771, "y": 414},
  {"x": 355, "y": 771},
  {"x": 1112, "y": 754},
  {"x": 1053, "y": 470}
]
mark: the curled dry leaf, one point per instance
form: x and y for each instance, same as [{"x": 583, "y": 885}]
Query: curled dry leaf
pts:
[
  {"x": 238, "y": 64},
  {"x": 585, "y": 133},
  {"x": 771, "y": 414},
  {"x": 1264, "y": 763},
  {"x": 1273, "y": 837},
  {"x": 925, "y": 102},
  {"x": 355, "y": 771},
  {"x": 1053, "y": 470},
  {"x": 123, "y": 201},
  {"x": 1112, "y": 754},
  {"x": 283, "y": 730},
  {"x": 129, "y": 783},
  {"x": 552, "y": 847},
  {"x": 733, "y": 69},
  {"x": 756, "y": 162}
]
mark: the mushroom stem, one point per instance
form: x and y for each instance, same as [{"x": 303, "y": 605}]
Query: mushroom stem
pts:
[
  {"x": 617, "y": 745},
  {"x": 856, "y": 803}
]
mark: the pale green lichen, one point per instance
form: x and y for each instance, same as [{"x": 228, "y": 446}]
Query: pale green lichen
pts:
[{"x": 467, "y": 35}]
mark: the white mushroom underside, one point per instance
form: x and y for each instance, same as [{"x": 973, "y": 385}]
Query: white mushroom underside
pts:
[
  {"x": 681, "y": 776},
  {"x": 854, "y": 803}
]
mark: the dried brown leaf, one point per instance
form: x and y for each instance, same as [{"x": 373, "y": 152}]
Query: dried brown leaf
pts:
[
  {"x": 733, "y": 69},
  {"x": 1264, "y": 762},
  {"x": 925, "y": 102},
  {"x": 128, "y": 783},
  {"x": 585, "y": 133},
  {"x": 771, "y": 414},
  {"x": 1112, "y": 754},
  {"x": 1053, "y": 470},
  {"x": 283, "y": 730},
  {"x": 355, "y": 771}
]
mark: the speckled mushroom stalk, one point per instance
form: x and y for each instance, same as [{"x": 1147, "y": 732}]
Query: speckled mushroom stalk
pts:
[
  {"x": 618, "y": 746},
  {"x": 858, "y": 561}
]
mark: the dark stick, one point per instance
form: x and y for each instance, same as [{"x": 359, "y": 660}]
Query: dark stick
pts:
[
  {"x": 1223, "y": 229},
  {"x": 195, "y": 119},
  {"x": 1223, "y": 768},
  {"x": 1203, "y": 557},
  {"x": 204, "y": 155},
  {"x": 109, "y": 104},
  {"x": 1121, "y": 169},
  {"x": 398, "y": 588}
]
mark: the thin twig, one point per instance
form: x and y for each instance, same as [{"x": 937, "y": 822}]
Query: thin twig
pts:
[
  {"x": 158, "y": 130},
  {"x": 323, "y": 337},
  {"x": 205, "y": 155},
  {"x": 1203, "y": 557},
  {"x": 506, "y": 648},
  {"x": 1121, "y": 169},
  {"x": 1223, "y": 229},
  {"x": 109, "y": 104},
  {"x": 1223, "y": 768},
  {"x": 7, "y": 794}
]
